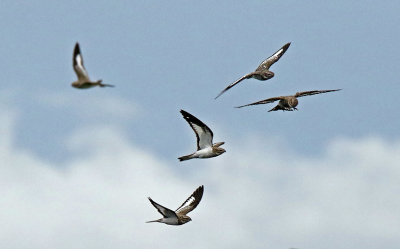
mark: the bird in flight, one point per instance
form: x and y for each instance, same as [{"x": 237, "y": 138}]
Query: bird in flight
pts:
[
  {"x": 204, "y": 135},
  {"x": 288, "y": 103},
  {"x": 83, "y": 81},
  {"x": 179, "y": 216},
  {"x": 262, "y": 72}
]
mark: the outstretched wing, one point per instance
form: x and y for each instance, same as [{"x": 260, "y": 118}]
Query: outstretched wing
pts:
[
  {"x": 191, "y": 202},
  {"x": 266, "y": 64},
  {"x": 77, "y": 63},
  {"x": 247, "y": 76},
  {"x": 265, "y": 101},
  {"x": 308, "y": 93},
  {"x": 165, "y": 212},
  {"x": 203, "y": 133}
]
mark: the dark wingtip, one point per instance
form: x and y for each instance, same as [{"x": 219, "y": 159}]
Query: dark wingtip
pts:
[
  {"x": 200, "y": 188},
  {"x": 187, "y": 115},
  {"x": 219, "y": 94},
  {"x": 335, "y": 90},
  {"x": 286, "y": 46},
  {"x": 183, "y": 112},
  {"x": 77, "y": 49},
  {"x": 241, "y": 106}
]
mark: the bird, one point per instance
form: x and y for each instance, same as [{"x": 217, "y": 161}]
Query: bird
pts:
[
  {"x": 83, "y": 81},
  {"x": 179, "y": 216},
  {"x": 205, "y": 146},
  {"x": 288, "y": 103},
  {"x": 262, "y": 72}
]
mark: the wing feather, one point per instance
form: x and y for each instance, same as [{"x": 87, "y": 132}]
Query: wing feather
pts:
[
  {"x": 265, "y": 101},
  {"x": 247, "y": 76},
  {"x": 191, "y": 202},
  {"x": 203, "y": 133},
  {"x": 77, "y": 63},
  {"x": 267, "y": 63},
  {"x": 308, "y": 93},
  {"x": 165, "y": 212}
]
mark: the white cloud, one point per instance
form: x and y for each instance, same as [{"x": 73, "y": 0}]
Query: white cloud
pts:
[
  {"x": 257, "y": 195},
  {"x": 91, "y": 104}
]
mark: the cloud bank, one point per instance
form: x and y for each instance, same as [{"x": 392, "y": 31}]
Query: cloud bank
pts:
[{"x": 257, "y": 195}]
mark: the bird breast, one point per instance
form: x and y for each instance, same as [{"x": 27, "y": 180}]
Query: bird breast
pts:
[
  {"x": 204, "y": 153},
  {"x": 268, "y": 75},
  {"x": 293, "y": 102}
]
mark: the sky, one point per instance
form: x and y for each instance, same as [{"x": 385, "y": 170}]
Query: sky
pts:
[{"x": 77, "y": 166}]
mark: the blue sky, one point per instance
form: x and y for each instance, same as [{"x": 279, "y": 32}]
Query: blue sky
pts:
[{"x": 167, "y": 56}]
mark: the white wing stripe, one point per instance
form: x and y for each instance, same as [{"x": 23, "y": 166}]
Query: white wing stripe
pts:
[{"x": 204, "y": 136}]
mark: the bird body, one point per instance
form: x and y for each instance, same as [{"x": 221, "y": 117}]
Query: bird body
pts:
[
  {"x": 207, "y": 152},
  {"x": 169, "y": 221},
  {"x": 262, "y": 72},
  {"x": 83, "y": 81},
  {"x": 178, "y": 217},
  {"x": 288, "y": 103}
]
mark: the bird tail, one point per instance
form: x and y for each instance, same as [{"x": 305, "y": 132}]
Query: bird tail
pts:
[
  {"x": 276, "y": 108},
  {"x": 159, "y": 220},
  {"x": 184, "y": 158},
  {"x": 104, "y": 85}
]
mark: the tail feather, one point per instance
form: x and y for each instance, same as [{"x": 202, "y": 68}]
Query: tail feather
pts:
[
  {"x": 184, "y": 158},
  {"x": 104, "y": 85},
  {"x": 159, "y": 220},
  {"x": 276, "y": 108}
]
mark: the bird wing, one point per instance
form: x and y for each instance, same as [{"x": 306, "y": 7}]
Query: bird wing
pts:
[
  {"x": 267, "y": 63},
  {"x": 265, "y": 101},
  {"x": 165, "y": 212},
  {"x": 77, "y": 63},
  {"x": 247, "y": 76},
  {"x": 203, "y": 133},
  {"x": 191, "y": 202},
  {"x": 307, "y": 93}
]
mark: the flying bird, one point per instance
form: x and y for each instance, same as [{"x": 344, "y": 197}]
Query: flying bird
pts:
[
  {"x": 262, "y": 72},
  {"x": 83, "y": 81},
  {"x": 205, "y": 146},
  {"x": 179, "y": 216},
  {"x": 288, "y": 103}
]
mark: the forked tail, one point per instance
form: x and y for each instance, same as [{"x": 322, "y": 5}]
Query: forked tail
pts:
[{"x": 104, "y": 85}]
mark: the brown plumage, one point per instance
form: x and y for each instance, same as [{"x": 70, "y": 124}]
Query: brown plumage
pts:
[
  {"x": 288, "y": 103},
  {"x": 262, "y": 72}
]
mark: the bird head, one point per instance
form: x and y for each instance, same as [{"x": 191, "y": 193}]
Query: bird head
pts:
[
  {"x": 268, "y": 75},
  {"x": 218, "y": 144},
  {"x": 219, "y": 150},
  {"x": 185, "y": 219},
  {"x": 293, "y": 102}
]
